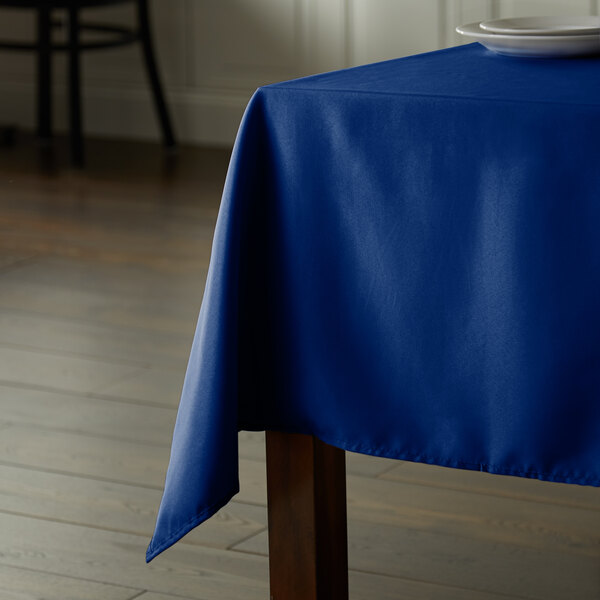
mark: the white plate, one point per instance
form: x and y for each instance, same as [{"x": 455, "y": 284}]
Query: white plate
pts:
[
  {"x": 533, "y": 46},
  {"x": 585, "y": 25}
]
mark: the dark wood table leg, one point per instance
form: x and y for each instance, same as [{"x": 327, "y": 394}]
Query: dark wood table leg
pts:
[{"x": 308, "y": 542}]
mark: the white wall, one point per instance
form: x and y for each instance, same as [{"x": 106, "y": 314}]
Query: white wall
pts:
[{"x": 214, "y": 53}]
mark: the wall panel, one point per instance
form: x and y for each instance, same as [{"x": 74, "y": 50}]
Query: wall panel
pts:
[
  {"x": 213, "y": 55},
  {"x": 525, "y": 8},
  {"x": 241, "y": 44},
  {"x": 17, "y": 25},
  {"x": 382, "y": 29}
]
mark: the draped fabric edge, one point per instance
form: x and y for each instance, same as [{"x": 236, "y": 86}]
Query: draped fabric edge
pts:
[
  {"x": 153, "y": 551},
  {"x": 523, "y": 472}
]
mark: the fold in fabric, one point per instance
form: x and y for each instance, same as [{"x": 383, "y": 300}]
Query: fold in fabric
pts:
[{"x": 406, "y": 264}]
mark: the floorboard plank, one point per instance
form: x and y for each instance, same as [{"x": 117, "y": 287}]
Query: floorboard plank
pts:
[
  {"x": 115, "y": 461},
  {"x": 369, "y": 586},
  {"x": 10, "y": 258},
  {"x": 487, "y": 518},
  {"x": 154, "y": 596},
  {"x": 458, "y": 562},
  {"x": 148, "y": 313},
  {"x": 483, "y": 483},
  {"x": 115, "y": 507},
  {"x": 88, "y": 416},
  {"x": 111, "y": 460},
  {"x": 117, "y": 558},
  {"x": 123, "y": 279},
  {"x": 25, "y": 584},
  {"x": 60, "y": 372},
  {"x": 155, "y": 385},
  {"x": 92, "y": 340},
  {"x": 112, "y": 238}
]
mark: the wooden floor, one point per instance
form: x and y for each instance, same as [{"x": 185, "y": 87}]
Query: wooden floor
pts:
[{"x": 101, "y": 278}]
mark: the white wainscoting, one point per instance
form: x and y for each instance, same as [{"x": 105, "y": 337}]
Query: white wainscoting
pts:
[{"x": 215, "y": 53}]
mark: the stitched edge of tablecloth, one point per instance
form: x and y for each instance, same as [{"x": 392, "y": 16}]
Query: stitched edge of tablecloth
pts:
[
  {"x": 555, "y": 477},
  {"x": 154, "y": 551}
]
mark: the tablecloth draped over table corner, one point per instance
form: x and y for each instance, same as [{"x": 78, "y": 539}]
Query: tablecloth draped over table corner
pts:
[{"x": 407, "y": 264}]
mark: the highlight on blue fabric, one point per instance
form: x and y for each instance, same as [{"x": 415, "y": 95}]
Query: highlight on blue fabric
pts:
[{"x": 406, "y": 264}]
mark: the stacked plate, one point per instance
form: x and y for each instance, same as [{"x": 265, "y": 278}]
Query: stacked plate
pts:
[{"x": 538, "y": 37}]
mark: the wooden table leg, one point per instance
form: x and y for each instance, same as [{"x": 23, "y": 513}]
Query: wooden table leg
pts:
[{"x": 308, "y": 542}]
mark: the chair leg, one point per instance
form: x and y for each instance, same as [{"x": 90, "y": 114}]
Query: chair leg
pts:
[
  {"x": 44, "y": 74},
  {"x": 77, "y": 156},
  {"x": 152, "y": 70}
]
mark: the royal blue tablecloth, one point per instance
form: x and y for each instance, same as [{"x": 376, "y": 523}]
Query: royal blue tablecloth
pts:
[{"x": 406, "y": 264}]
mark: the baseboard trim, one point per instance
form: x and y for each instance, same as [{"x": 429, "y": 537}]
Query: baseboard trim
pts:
[{"x": 210, "y": 118}]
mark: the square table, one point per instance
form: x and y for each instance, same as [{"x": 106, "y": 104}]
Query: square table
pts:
[{"x": 406, "y": 264}]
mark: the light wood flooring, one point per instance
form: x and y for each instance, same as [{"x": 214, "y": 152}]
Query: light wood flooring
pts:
[{"x": 101, "y": 279}]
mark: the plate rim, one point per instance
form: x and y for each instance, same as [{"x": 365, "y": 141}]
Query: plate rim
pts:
[
  {"x": 487, "y": 26},
  {"x": 476, "y": 31},
  {"x": 529, "y": 46}
]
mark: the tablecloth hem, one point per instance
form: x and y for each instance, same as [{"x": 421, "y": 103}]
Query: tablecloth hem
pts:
[
  {"x": 515, "y": 471},
  {"x": 204, "y": 515}
]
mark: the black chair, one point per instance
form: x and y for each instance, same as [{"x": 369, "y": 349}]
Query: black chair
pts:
[{"x": 113, "y": 36}]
